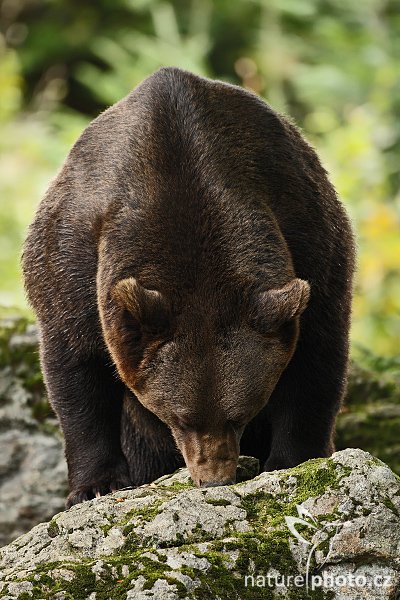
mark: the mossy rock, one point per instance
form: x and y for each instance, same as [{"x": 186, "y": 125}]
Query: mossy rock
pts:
[{"x": 161, "y": 542}]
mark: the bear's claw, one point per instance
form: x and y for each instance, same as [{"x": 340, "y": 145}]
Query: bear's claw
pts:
[{"x": 95, "y": 490}]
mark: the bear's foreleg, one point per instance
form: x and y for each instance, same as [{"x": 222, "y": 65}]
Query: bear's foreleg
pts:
[{"x": 87, "y": 398}]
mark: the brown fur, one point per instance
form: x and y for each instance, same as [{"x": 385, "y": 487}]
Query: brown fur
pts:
[{"x": 191, "y": 270}]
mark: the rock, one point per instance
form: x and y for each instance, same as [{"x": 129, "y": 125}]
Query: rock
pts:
[
  {"x": 330, "y": 521},
  {"x": 33, "y": 474}
]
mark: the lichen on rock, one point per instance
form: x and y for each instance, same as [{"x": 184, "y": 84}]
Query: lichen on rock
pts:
[{"x": 170, "y": 540}]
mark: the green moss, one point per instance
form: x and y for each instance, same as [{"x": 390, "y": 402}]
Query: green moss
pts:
[
  {"x": 131, "y": 521},
  {"x": 272, "y": 549},
  {"x": 135, "y": 516},
  {"x": 317, "y": 594},
  {"x": 220, "y": 582},
  {"x": 258, "y": 552},
  {"x": 217, "y": 502},
  {"x": 53, "y": 529},
  {"x": 148, "y": 513},
  {"x": 389, "y": 504},
  {"x": 271, "y": 546},
  {"x": 313, "y": 478},
  {"x": 111, "y": 583},
  {"x": 153, "y": 570},
  {"x": 256, "y": 555},
  {"x": 178, "y": 486},
  {"x": 82, "y": 585}
]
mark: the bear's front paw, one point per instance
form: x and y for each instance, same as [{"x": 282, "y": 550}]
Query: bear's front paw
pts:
[{"x": 109, "y": 481}]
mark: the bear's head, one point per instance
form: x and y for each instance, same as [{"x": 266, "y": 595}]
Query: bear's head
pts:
[{"x": 205, "y": 364}]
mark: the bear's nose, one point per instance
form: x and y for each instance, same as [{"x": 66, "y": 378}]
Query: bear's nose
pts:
[{"x": 206, "y": 484}]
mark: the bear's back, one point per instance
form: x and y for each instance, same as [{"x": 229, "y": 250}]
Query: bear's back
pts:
[
  {"x": 178, "y": 126},
  {"x": 184, "y": 173}
]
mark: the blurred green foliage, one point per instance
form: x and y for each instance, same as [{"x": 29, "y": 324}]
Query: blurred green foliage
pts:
[{"x": 331, "y": 64}]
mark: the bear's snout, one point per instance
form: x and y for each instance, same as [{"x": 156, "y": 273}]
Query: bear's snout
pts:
[
  {"x": 213, "y": 472},
  {"x": 211, "y": 457}
]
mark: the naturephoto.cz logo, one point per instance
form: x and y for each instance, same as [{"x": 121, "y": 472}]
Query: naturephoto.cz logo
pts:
[{"x": 320, "y": 535}]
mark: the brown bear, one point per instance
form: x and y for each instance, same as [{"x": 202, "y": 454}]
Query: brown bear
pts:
[{"x": 191, "y": 271}]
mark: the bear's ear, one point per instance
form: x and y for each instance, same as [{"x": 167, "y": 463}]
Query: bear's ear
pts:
[
  {"x": 275, "y": 307},
  {"x": 146, "y": 309}
]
